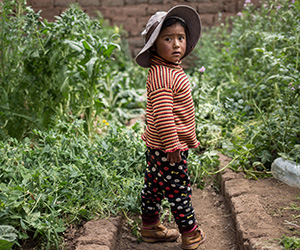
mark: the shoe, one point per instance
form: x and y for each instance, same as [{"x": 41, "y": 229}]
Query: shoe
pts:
[
  {"x": 158, "y": 233},
  {"x": 192, "y": 240}
]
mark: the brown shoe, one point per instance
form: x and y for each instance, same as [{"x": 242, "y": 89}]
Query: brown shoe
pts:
[
  {"x": 158, "y": 233},
  {"x": 193, "y": 240}
]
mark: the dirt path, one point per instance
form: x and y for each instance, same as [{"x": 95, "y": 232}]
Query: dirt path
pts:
[
  {"x": 261, "y": 211},
  {"x": 212, "y": 214}
]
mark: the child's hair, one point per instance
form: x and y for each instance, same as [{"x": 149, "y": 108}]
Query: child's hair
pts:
[{"x": 172, "y": 20}]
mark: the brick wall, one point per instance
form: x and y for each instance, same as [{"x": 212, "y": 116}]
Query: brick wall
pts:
[{"x": 133, "y": 15}]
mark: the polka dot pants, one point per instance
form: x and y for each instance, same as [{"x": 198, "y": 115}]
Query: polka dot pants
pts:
[{"x": 170, "y": 181}]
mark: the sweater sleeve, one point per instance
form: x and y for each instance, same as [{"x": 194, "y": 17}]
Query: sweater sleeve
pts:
[{"x": 162, "y": 104}]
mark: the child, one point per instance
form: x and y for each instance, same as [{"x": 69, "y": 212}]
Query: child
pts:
[{"x": 170, "y": 132}]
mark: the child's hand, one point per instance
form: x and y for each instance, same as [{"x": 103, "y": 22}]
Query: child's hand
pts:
[{"x": 174, "y": 157}]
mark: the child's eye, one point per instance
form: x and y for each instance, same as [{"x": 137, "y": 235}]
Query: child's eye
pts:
[
  {"x": 168, "y": 39},
  {"x": 181, "y": 38}
]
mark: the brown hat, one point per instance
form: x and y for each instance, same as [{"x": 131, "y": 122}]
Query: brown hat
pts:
[{"x": 153, "y": 27}]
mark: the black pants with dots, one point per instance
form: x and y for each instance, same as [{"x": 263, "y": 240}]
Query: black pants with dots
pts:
[{"x": 170, "y": 181}]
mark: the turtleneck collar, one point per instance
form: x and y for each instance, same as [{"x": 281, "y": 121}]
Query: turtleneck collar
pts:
[{"x": 155, "y": 59}]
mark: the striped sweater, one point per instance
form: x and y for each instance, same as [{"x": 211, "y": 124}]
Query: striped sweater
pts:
[{"x": 170, "y": 109}]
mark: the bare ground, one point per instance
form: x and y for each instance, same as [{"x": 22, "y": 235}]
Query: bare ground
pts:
[
  {"x": 212, "y": 214},
  {"x": 244, "y": 214}
]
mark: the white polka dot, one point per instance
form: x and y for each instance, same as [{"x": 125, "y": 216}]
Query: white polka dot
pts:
[
  {"x": 172, "y": 204},
  {"x": 185, "y": 202},
  {"x": 182, "y": 187},
  {"x": 180, "y": 167},
  {"x": 180, "y": 208},
  {"x": 172, "y": 164},
  {"x": 178, "y": 200},
  {"x": 159, "y": 174},
  {"x": 153, "y": 169},
  {"x": 169, "y": 177},
  {"x": 173, "y": 185},
  {"x": 176, "y": 180},
  {"x": 156, "y": 153},
  {"x": 164, "y": 159},
  {"x": 191, "y": 222},
  {"x": 188, "y": 209}
]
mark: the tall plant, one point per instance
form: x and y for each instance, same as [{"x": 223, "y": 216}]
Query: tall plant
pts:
[
  {"x": 55, "y": 67},
  {"x": 17, "y": 33},
  {"x": 253, "y": 69}
]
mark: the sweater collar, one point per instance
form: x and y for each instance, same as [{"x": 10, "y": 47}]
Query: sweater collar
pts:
[{"x": 157, "y": 60}]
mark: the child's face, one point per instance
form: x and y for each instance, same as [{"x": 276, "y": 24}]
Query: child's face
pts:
[{"x": 171, "y": 43}]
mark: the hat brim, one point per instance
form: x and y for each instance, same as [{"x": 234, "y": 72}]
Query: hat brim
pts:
[{"x": 193, "y": 22}]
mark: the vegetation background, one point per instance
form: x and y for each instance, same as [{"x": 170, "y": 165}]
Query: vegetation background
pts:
[{"x": 67, "y": 89}]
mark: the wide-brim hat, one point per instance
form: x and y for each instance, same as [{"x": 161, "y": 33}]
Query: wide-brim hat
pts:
[{"x": 153, "y": 28}]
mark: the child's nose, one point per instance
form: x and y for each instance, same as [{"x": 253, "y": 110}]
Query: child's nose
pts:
[{"x": 176, "y": 43}]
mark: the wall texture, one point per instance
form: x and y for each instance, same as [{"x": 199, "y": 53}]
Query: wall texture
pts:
[{"x": 133, "y": 15}]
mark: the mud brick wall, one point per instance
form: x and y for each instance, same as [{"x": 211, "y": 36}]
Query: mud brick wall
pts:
[{"x": 133, "y": 15}]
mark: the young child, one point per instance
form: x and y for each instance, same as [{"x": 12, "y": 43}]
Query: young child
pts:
[{"x": 170, "y": 132}]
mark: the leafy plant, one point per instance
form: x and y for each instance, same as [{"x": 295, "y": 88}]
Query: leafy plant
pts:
[
  {"x": 248, "y": 97},
  {"x": 290, "y": 242},
  {"x": 63, "y": 177},
  {"x": 59, "y": 70},
  {"x": 8, "y": 236}
]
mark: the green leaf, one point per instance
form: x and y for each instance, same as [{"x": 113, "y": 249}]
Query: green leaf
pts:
[
  {"x": 65, "y": 87},
  {"x": 8, "y": 236},
  {"x": 74, "y": 45},
  {"x": 90, "y": 65},
  {"x": 86, "y": 45}
]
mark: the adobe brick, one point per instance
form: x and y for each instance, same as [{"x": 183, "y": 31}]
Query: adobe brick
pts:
[
  {"x": 152, "y": 9},
  {"x": 209, "y": 8},
  {"x": 93, "y": 11},
  {"x": 112, "y": 2},
  {"x": 156, "y": 1},
  {"x": 113, "y": 13},
  {"x": 198, "y": 1},
  {"x": 85, "y": 3},
  {"x": 136, "y": 41},
  {"x": 135, "y": 11},
  {"x": 42, "y": 3},
  {"x": 130, "y": 26},
  {"x": 207, "y": 19},
  {"x": 230, "y": 6},
  {"x": 134, "y": 2},
  {"x": 63, "y": 3},
  {"x": 50, "y": 13}
]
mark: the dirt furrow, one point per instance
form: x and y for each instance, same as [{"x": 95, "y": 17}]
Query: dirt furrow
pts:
[{"x": 212, "y": 214}]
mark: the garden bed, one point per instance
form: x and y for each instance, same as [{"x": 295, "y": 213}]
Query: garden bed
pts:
[{"x": 246, "y": 214}]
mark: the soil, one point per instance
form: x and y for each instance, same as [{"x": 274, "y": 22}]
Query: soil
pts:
[
  {"x": 241, "y": 214},
  {"x": 211, "y": 213}
]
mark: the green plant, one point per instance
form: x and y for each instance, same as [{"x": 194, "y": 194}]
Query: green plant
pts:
[
  {"x": 62, "y": 177},
  {"x": 290, "y": 243},
  {"x": 51, "y": 70},
  {"x": 8, "y": 236},
  {"x": 247, "y": 101}
]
